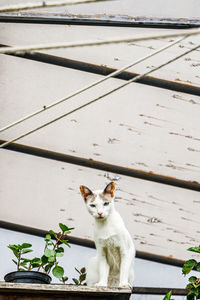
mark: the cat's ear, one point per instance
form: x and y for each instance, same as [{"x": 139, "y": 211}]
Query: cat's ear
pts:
[
  {"x": 110, "y": 189},
  {"x": 85, "y": 192}
]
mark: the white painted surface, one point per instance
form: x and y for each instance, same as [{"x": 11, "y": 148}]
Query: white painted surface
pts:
[
  {"x": 155, "y": 8},
  {"x": 185, "y": 69}
]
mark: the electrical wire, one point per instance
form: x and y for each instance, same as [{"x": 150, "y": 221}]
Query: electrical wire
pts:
[
  {"x": 23, "y": 6},
  {"x": 115, "y": 73},
  {"x": 100, "y": 97},
  {"x": 31, "y": 48}
]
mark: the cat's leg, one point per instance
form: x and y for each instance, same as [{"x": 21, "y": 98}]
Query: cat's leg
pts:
[
  {"x": 125, "y": 267},
  {"x": 131, "y": 276},
  {"x": 92, "y": 276},
  {"x": 103, "y": 269}
]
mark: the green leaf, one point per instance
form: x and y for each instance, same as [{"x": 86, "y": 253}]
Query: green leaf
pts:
[
  {"x": 47, "y": 238},
  {"x": 65, "y": 278},
  {"x": 65, "y": 242},
  {"x": 14, "y": 261},
  {"x": 48, "y": 267},
  {"x": 59, "y": 254},
  {"x": 83, "y": 270},
  {"x": 58, "y": 272},
  {"x": 60, "y": 249},
  {"x": 198, "y": 267},
  {"x": 53, "y": 233},
  {"x": 50, "y": 244},
  {"x": 25, "y": 245},
  {"x": 192, "y": 279},
  {"x": 25, "y": 259},
  {"x": 14, "y": 247},
  {"x": 51, "y": 259},
  {"x": 168, "y": 296},
  {"x": 44, "y": 259},
  {"x": 23, "y": 264},
  {"x": 77, "y": 271},
  {"x": 189, "y": 286},
  {"x": 26, "y": 251},
  {"x": 75, "y": 281},
  {"x": 65, "y": 228},
  {"x": 82, "y": 277},
  {"x": 49, "y": 252},
  {"x": 36, "y": 260},
  {"x": 35, "y": 265},
  {"x": 190, "y": 296},
  {"x": 194, "y": 249},
  {"x": 188, "y": 266}
]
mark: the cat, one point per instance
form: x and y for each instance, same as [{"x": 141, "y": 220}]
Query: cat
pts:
[{"x": 113, "y": 264}]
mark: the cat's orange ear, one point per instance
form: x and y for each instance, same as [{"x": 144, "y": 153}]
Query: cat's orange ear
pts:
[
  {"x": 85, "y": 192},
  {"x": 110, "y": 189}
]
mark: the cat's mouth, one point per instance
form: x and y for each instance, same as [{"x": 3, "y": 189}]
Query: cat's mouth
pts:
[{"x": 100, "y": 217}]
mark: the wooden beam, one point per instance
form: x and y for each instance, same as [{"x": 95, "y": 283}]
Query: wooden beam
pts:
[
  {"x": 15, "y": 291},
  {"x": 100, "y": 165}
]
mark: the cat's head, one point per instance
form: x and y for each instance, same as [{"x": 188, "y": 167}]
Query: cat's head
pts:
[{"x": 99, "y": 203}]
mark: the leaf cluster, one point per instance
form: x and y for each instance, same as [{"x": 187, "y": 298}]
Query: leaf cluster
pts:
[
  {"x": 49, "y": 260},
  {"x": 81, "y": 277},
  {"x": 194, "y": 282}
]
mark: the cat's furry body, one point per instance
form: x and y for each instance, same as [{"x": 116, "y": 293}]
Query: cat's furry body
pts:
[{"x": 113, "y": 264}]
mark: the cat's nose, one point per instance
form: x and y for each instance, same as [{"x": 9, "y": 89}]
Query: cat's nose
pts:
[{"x": 100, "y": 213}]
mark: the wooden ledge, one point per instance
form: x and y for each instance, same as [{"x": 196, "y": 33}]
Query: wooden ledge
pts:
[{"x": 64, "y": 291}]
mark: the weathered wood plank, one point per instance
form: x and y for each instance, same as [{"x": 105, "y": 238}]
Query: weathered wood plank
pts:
[{"x": 26, "y": 291}]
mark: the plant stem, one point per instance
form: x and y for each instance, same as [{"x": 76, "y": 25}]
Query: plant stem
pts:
[
  {"x": 19, "y": 258},
  {"x": 58, "y": 240}
]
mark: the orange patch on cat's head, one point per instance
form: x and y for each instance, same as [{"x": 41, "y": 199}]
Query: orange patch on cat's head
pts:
[
  {"x": 110, "y": 189},
  {"x": 85, "y": 192}
]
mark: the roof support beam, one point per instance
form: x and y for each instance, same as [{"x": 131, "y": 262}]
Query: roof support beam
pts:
[
  {"x": 104, "y": 70},
  {"x": 90, "y": 163},
  {"x": 100, "y": 20},
  {"x": 90, "y": 244}
]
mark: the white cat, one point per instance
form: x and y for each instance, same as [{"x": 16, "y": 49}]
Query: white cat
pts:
[{"x": 113, "y": 264}]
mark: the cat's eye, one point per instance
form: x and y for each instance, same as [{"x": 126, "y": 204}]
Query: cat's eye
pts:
[
  {"x": 92, "y": 205},
  {"x": 106, "y": 203}
]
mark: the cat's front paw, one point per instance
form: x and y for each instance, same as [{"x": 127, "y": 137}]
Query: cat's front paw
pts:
[{"x": 125, "y": 286}]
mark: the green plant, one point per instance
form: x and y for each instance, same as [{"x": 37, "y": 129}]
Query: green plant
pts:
[
  {"x": 194, "y": 282},
  {"x": 168, "y": 296},
  {"x": 49, "y": 260},
  {"x": 81, "y": 277}
]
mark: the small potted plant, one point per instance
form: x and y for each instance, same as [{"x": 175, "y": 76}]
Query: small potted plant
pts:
[{"x": 37, "y": 269}]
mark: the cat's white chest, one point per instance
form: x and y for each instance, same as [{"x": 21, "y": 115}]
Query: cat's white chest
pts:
[
  {"x": 112, "y": 250},
  {"x": 112, "y": 242}
]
